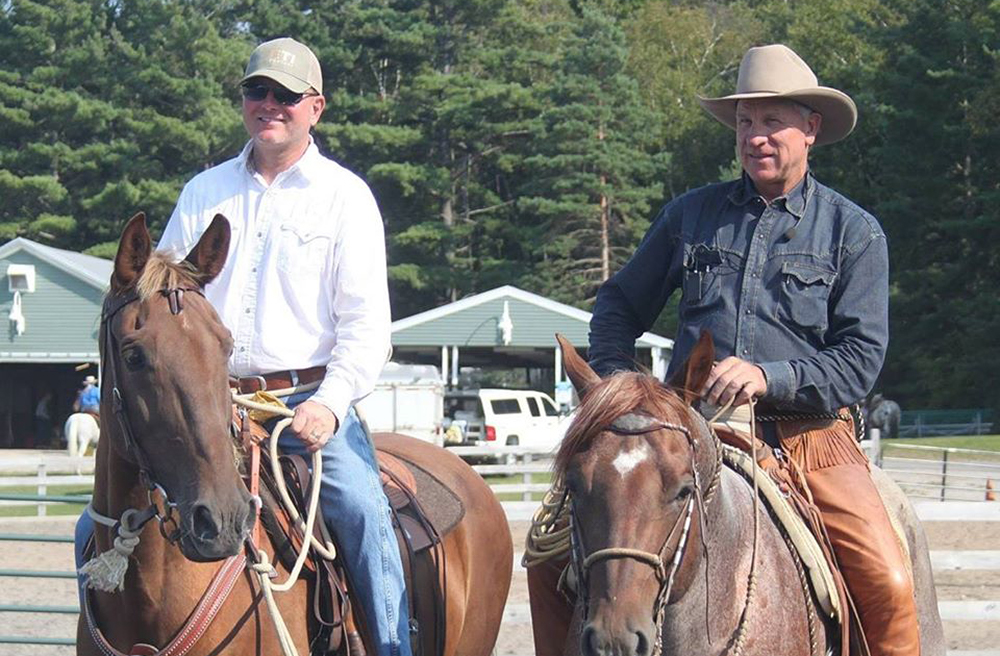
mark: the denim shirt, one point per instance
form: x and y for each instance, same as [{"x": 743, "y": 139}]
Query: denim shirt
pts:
[{"x": 798, "y": 286}]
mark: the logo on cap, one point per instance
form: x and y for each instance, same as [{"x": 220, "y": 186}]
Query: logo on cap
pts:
[{"x": 281, "y": 58}]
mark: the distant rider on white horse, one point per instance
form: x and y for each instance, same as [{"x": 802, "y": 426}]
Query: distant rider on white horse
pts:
[{"x": 82, "y": 428}]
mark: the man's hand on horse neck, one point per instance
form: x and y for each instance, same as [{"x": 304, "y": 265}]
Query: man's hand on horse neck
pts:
[
  {"x": 314, "y": 423},
  {"x": 736, "y": 380}
]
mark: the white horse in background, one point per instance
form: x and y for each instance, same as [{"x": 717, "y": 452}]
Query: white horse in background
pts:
[{"x": 81, "y": 431}]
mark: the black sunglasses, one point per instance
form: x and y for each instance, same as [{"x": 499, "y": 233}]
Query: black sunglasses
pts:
[{"x": 282, "y": 96}]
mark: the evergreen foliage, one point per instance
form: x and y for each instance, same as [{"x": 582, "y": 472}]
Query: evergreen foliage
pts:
[
  {"x": 530, "y": 142},
  {"x": 108, "y": 108},
  {"x": 590, "y": 180}
]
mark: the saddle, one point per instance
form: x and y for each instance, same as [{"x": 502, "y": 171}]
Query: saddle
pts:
[
  {"x": 785, "y": 494},
  {"x": 419, "y": 534}
]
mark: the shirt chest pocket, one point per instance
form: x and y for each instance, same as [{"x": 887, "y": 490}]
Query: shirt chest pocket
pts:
[
  {"x": 709, "y": 275},
  {"x": 302, "y": 250},
  {"x": 805, "y": 295}
]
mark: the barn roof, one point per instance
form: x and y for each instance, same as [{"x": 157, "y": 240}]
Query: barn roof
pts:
[{"x": 475, "y": 321}]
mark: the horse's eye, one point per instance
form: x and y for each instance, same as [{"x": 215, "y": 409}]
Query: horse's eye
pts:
[
  {"x": 685, "y": 492},
  {"x": 134, "y": 359}
]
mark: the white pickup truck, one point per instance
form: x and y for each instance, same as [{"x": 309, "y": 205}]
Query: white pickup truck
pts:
[{"x": 504, "y": 417}]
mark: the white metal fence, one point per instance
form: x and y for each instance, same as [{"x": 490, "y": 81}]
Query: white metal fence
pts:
[{"x": 924, "y": 472}]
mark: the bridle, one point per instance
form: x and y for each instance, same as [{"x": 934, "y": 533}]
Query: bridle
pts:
[
  {"x": 132, "y": 521},
  {"x": 632, "y": 424},
  {"x": 110, "y": 365}
]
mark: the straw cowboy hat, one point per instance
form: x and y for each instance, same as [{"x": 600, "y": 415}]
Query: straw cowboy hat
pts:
[{"x": 777, "y": 72}]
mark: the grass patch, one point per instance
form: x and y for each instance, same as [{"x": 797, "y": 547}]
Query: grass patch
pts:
[
  {"x": 52, "y": 508},
  {"x": 979, "y": 442},
  {"x": 976, "y": 442},
  {"x": 514, "y": 479}
]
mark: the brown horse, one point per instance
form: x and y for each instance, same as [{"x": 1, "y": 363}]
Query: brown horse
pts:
[
  {"x": 663, "y": 533},
  {"x": 165, "y": 354}
]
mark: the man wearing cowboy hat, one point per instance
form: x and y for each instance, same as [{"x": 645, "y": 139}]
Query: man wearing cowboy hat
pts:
[{"x": 791, "y": 280}]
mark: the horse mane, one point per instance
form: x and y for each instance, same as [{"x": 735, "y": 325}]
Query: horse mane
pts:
[
  {"x": 161, "y": 272},
  {"x": 614, "y": 396}
]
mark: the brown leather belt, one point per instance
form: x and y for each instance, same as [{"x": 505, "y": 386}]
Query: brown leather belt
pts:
[{"x": 277, "y": 380}]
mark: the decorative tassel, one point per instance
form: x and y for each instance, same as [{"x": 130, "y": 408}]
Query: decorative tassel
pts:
[{"x": 106, "y": 572}]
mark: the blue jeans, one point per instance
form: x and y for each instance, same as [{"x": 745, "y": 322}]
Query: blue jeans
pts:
[{"x": 357, "y": 511}]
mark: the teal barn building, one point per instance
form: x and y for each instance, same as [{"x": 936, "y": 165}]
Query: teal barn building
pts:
[{"x": 52, "y": 301}]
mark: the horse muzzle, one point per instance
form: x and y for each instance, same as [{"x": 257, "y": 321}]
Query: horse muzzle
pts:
[
  {"x": 212, "y": 534},
  {"x": 630, "y": 638}
]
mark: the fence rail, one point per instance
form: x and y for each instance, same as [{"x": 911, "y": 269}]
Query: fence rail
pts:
[
  {"x": 40, "y": 498},
  {"x": 950, "y": 476}
]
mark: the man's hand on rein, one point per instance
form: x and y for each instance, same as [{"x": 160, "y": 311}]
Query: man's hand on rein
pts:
[
  {"x": 314, "y": 423},
  {"x": 736, "y": 380}
]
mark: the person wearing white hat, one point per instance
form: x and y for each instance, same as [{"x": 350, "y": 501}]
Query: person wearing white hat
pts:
[
  {"x": 791, "y": 279},
  {"x": 304, "y": 293}
]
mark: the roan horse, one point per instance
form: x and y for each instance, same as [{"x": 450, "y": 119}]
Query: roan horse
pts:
[
  {"x": 165, "y": 368},
  {"x": 664, "y": 533}
]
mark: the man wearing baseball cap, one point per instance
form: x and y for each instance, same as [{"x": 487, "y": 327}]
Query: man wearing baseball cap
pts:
[
  {"x": 304, "y": 293},
  {"x": 791, "y": 280}
]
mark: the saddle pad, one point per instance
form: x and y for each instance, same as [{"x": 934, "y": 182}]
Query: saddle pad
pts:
[
  {"x": 805, "y": 544},
  {"x": 442, "y": 507}
]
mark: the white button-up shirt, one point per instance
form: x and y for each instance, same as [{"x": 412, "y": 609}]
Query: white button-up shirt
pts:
[{"x": 305, "y": 280}]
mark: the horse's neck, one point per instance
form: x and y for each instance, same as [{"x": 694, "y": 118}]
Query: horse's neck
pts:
[{"x": 703, "y": 619}]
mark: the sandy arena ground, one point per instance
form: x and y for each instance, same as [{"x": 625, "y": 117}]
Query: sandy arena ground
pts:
[{"x": 515, "y": 636}]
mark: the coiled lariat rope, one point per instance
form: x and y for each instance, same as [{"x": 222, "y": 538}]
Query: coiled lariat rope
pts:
[
  {"x": 263, "y": 567},
  {"x": 549, "y": 535}
]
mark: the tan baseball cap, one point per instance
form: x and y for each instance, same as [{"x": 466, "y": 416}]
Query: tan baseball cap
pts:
[{"x": 287, "y": 62}]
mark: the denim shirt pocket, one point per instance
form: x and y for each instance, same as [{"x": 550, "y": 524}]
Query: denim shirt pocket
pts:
[
  {"x": 805, "y": 295},
  {"x": 707, "y": 270},
  {"x": 302, "y": 249}
]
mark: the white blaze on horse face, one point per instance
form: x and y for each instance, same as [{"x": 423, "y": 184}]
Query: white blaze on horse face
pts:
[{"x": 626, "y": 461}]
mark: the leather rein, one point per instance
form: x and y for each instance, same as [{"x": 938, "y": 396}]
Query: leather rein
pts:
[
  {"x": 230, "y": 570},
  {"x": 633, "y": 424}
]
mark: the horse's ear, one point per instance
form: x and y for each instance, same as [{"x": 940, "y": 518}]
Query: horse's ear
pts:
[
  {"x": 209, "y": 255},
  {"x": 579, "y": 372},
  {"x": 133, "y": 252},
  {"x": 690, "y": 378}
]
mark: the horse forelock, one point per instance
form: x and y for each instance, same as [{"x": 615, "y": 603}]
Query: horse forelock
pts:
[
  {"x": 613, "y": 397},
  {"x": 161, "y": 272}
]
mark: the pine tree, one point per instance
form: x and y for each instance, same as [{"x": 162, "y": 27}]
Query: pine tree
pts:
[
  {"x": 939, "y": 173},
  {"x": 591, "y": 176},
  {"x": 109, "y": 108}
]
